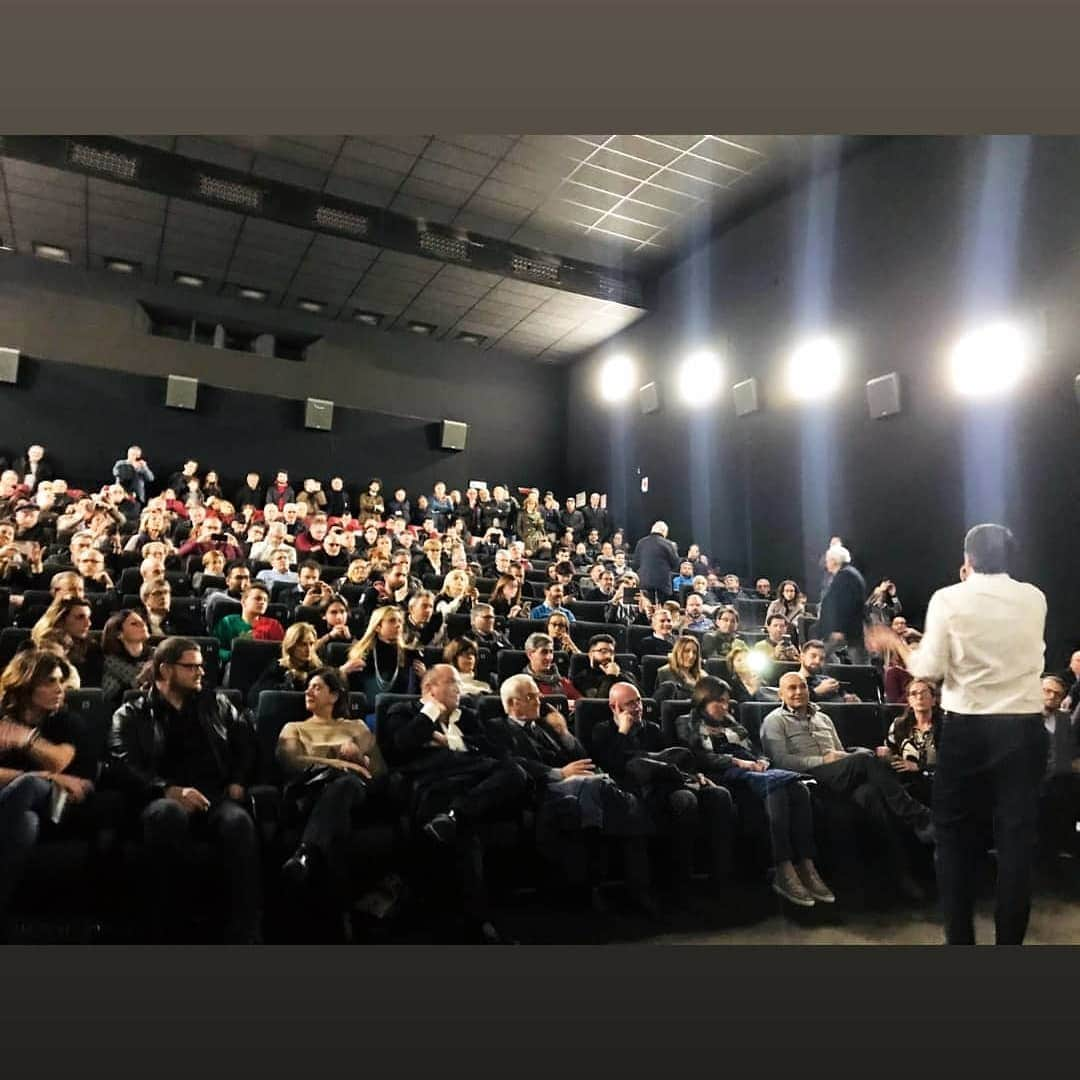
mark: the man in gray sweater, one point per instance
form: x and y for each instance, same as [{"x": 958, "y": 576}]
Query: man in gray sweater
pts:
[{"x": 800, "y": 737}]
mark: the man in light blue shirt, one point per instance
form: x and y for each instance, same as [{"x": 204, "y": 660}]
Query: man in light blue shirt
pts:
[{"x": 553, "y": 600}]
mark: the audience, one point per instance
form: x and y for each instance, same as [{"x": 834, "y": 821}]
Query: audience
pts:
[
  {"x": 676, "y": 679},
  {"x": 1059, "y": 798},
  {"x": 822, "y": 687},
  {"x": 124, "y": 645},
  {"x": 911, "y": 744}
]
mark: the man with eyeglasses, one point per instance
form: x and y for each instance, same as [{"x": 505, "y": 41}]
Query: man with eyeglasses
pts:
[{"x": 184, "y": 757}]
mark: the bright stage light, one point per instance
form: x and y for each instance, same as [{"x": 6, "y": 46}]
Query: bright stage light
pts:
[
  {"x": 815, "y": 370},
  {"x": 699, "y": 378},
  {"x": 617, "y": 379},
  {"x": 990, "y": 360}
]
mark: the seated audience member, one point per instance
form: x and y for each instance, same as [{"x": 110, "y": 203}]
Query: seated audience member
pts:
[
  {"x": 381, "y": 660},
  {"x": 723, "y": 751},
  {"x": 661, "y": 640},
  {"x": 423, "y": 624},
  {"x": 308, "y": 577},
  {"x": 435, "y": 744},
  {"x": 575, "y": 805},
  {"x": 91, "y": 567},
  {"x": 463, "y": 655},
  {"x": 678, "y": 677},
  {"x": 295, "y": 666},
  {"x": 683, "y": 804},
  {"x": 279, "y": 569},
  {"x": 911, "y": 744},
  {"x": 1071, "y": 679},
  {"x": 66, "y": 624},
  {"x": 603, "y": 590},
  {"x": 237, "y": 582},
  {"x": 787, "y": 603},
  {"x": 309, "y": 543},
  {"x": 731, "y": 591},
  {"x": 252, "y": 621},
  {"x": 179, "y": 480},
  {"x": 719, "y": 642},
  {"x": 335, "y": 556},
  {"x": 210, "y": 537},
  {"x": 276, "y": 537},
  {"x": 800, "y": 737},
  {"x": 777, "y": 644},
  {"x": 34, "y": 467},
  {"x": 883, "y": 605},
  {"x": 1059, "y": 797},
  {"x": 763, "y": 589},
  {"x": 335, "y": 622},
  {"x": 745, "y": 678},
  {"x": 34, "y": 760},
  {"x": 822, "y": 687},
  {"x": 123, "y": 644},
  {"x": 338, "y": 502},
  {"x": 541, "y": 668},
  {"x": 371, "y": 503},
  {"x": 334, "y": 768},
  {"x": 398, "y": 506},
  {"x": 908, "y": 633},
  {"x": 897, "y": 677},
  {"x": 482, "y": 629},
  {"x": 29, "y": 526},
  {"x": 685, "y": 575},
  {"x": 698, "y": 561},
  {"x": 458, "y": 594},
  {"x": 391, "y": 587},
  {"x": 553, "y": 601},
  {"x": 155, "y": 599},
  {"x": 710, "y": 595},
  {"x": 558, "y": 628},
  {"x": 213, "y": 565},
  {"x": 565, "y": 575},
  {"x": 603, "y": 672},
  {"x": 629, "y": 606},
  {"x": 184, "y": 757},
  {"x": 618, "y": 542}
]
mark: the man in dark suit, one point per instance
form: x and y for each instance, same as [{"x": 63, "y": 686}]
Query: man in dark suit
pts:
[
  {"x": 435, "y": 744},
  {"x": 576, "y": 806},
  {"x": 840, "y": 624},
  {"x": 597, "y": 517},
  {"x": 656, "y": 560},
  {"x": 683, "y": 804}
]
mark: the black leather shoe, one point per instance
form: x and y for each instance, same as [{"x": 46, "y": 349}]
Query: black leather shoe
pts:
[{"x": 299, "y": 869}]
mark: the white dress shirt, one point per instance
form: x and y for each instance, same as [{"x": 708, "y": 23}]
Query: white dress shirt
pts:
[
  {"x": 984, "y": 639},
  {"x": 455, "y": 738}
]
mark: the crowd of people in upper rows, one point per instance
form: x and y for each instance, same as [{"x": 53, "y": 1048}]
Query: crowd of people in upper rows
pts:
[{"x": 417, "y": 594}]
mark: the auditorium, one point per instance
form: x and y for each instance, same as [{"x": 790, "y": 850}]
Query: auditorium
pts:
[{"x": 542, "y": 539}]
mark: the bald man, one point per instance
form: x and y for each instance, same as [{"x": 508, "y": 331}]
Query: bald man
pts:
[
  {"x": 436, "y": 744},
  {"x": 683, "y": 803},
  {"x": 800, "y": 737}
]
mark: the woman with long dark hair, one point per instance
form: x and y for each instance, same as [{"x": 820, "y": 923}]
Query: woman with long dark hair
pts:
[
  {"x": 723, "y": 750},
  {"x": 123, "y": 643}
]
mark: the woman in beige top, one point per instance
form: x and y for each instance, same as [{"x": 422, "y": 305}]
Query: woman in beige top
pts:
[{"x": 334, "y": 769}]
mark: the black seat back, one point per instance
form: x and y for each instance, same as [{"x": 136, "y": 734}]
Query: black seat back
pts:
[
  {"x": 589, "y": 610},
  {"x": 93, "y": 721},
  {"x": 863, "y": 679},
  {"x": 249, "y": 660},
  {"x": 11, "y": 637},
  {"x": 650, "y": 666},
  {"x": 581, "y": 631},
  {"x": 751, "y": 714},
  {"x": 670, "y": 711},
  {"x": 857, "y": 725},
  {"x": 588, "y": 712},
  {"x": 383, "y": 728},
  {"x": 517, "y": 630},
  {"x": 457, "y": 626}
]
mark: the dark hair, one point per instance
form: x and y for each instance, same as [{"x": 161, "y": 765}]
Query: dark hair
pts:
[
  {"x": 336, "y": 685},
  {"x": 726, "y": 609},
  {"x": 27, "y": 669},
  {"x": 309, "y": 564},
  {"x": 602, "y": 639},
  {"x": 114, "y": 626},
  {"x": 169, "y": 652},
  {"x": 813, "y": 643},
  {"x": 904, "y": 724},
  {"x": 458, "y": 647},
  {"x": 709, "y": 688},
  {"x": 565, "y": 568},
  {"x": 258, "y": 586},
  {"x": 773, "y": 617},
  {"x": 991, "y": 549}
]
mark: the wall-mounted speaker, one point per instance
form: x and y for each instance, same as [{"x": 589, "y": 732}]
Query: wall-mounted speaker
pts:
[
  {"x": 745, "y": 396},
  {"x": 9, "y": 365},
  {"x": 453, "y": 435},
  {"x": 318, "y": 414},
  {"x": 181, "y": 392},
  {"x": 649, "y": 398},
  {"x": 883, "y": 396}
]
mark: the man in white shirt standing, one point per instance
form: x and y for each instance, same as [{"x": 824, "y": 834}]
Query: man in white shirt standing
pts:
[{"x": 984, "y": 641}]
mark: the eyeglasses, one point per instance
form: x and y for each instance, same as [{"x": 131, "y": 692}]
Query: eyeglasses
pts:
[{"x": 192, "y": 667}]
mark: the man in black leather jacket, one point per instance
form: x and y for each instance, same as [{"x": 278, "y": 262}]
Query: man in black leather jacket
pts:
[{"x": 183, "y": 757}]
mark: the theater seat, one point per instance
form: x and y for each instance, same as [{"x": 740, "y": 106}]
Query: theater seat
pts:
[
  {"x": 383, "y": 704},
  {"x": 863, "y": 679},
  {"x": 517, "y": 630},
  {"x": 249, "y": 660},
  {"x": 457, "y": 626},
  {"x": 11, "y": 637},
  {"x": 589, "y": 610},
  {"x": 581, "y": 631},
  {"x": 650, "y": 665},
  {"x": 588, "y": 712},
  {"x": 489, "y": 706},
  {"x": 857, "y": 725},
  {"x": 670, "y": 711}
]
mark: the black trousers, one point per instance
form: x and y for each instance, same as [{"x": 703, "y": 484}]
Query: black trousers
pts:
[
  {"x": 23, "y": 803},
  {"x": 707, "y": 812},
  {"x": 988, "y": 767},
  {"x": 168, "y": 831},
  {"x": 873, "y": 786}
]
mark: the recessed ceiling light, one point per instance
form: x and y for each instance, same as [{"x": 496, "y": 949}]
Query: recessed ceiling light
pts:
[
  {"x": 368, "y": 318},
  {"x": 422, "y": 328},
  {"x": 122, "y": 266},
  {"x": 245, "y": 292},
  {"x": 193, "y": 280},
  {"x": 314, "y": 306},
  {"x": 467, "y": 337},
  {"x": 51, "y": 251}
]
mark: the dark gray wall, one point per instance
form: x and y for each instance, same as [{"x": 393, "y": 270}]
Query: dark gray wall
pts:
[
  {"x": 898, "y": 274},
  {"x": 515, "y": 408}
]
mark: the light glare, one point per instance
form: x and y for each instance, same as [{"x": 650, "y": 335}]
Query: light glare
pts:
[
  {"x": 815, "y": 369},
  {"x": 617, "y": 379},
  {"x": 699, "y": 378},
  {"x": 990, "y": 360}
]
